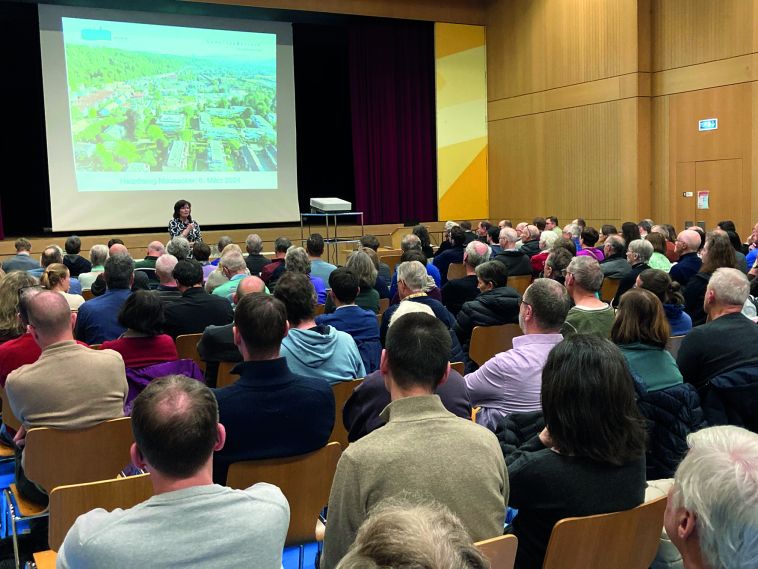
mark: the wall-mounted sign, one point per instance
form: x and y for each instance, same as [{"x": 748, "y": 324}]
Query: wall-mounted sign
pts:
[
  {"x": 702, "y": 200},
  {"x": 708, "y": 124}
]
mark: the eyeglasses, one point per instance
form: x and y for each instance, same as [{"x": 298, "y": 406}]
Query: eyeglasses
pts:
[{"x": 522, "y": 301}]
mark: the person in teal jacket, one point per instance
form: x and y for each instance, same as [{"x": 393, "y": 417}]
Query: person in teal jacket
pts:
[{"x": 641, "y": 331}]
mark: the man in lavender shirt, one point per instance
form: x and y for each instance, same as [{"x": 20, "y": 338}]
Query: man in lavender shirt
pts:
[{"x": 511, "y": 381}]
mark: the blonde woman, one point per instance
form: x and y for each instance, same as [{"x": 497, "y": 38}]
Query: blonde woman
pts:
[
  {"x": 10, "y": 285},
  {"x": 58, "y": 278}
]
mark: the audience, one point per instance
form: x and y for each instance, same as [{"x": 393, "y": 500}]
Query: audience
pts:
[
  {"x": 667, "y": 291},
  {"x": 10, "y": 287},
  {"x": 717, "y": 253},
  {"x": 687, "y": 245},
  {"x": 515, "y": 261},
  {"x": 180, "y": 248},
  {"x": 347, "y": 317},
  {"x": 728, "y": 340},
  {"x": 98, "y": 318},
  {"x": 557, "y": 262},
  {"x": 428, "y": 451},
  {"x": 313, "y": 350},
  {"x": 371, "y": 242},
  {"x": 551, "y": 224},
  {"x": 411, "y": 243},
  {"x": 658, "y": 259},
  {"x": 164, "y": 270},
  {"x": 637, "y": 254},
  {"x": 154, "y": 250},
  {"x": 233, "y": 266},
  {"x": 144, "y": 343},
  {"x": 589, "y": 315},
  {"x": 315, "y": 249},
  {"x": 402, "y": 533},
  {"x": 97, "y": 256},
  {"x": 296, "y": 260},
  {"x": 47, "y": 393},
  {"x": 176, "y": 431},
  {"x": 496, "y": 304},
  {"x": 590, "y": 456},
  {"x": 56, "y": 277},
  {"x": 453, "y": 254},
  {"x": 269, "y": 411},
  {"x": 457, "y": 292},
  {"x": 201, "y": 252},
  {"x": 73, "y": 260},
  {"x": 270, "y": 272},
  {"x": 530, "y": 240},
  {"x": 641, "y": 332},
  {"x": 547, "y": 240},
  {"x": 422, "y": 233},
  {"x": 587, "y": 239},
  {"x": 510, "y": 382},
  {"x": 572, "y": 232},
  {"x": 712, "y": 510},
  {"x": 22, "y": 260},
  {"x": 361, "y": 266},
  {"x": 630, "y": 231},
  {"x": 615, "y": 265},
  {"x": 255, "y": 261}
]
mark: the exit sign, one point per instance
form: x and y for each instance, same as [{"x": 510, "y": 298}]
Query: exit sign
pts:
[{"x": 708, "y": 124}]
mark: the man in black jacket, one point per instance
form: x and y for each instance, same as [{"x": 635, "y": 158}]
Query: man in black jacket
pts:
[
  {"x": 516, "y": 262},
  {"x": 459, "y": 291}
]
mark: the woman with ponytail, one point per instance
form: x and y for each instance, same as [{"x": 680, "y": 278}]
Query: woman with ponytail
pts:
[{"x": 58, "y": 278}]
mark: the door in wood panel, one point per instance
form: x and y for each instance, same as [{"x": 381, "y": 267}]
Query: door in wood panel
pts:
[
  {"x": 684, "y": 199},
  {"x": 727, "y": 195}
]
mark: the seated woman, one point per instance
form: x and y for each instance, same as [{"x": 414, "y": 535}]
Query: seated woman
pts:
[
  {"x": 582, "y": 463},
  {"x": 296, "y": 261},
  {"x": 668, "y": 292},
  {"x": 717, "y": 252},
  {"x": 380, "y": 285},
  {"x": 359, "y": 262},
  {"x": 10, "y": 286},
  {"x": 587, "y": 239},
  {"x": 57, "y": 278},
  {"x": 547, "y": 240},
  {"x": 496, "y": 303},
  {"x": 641, "y": 332},
  {"x": 143, "y": 344}
]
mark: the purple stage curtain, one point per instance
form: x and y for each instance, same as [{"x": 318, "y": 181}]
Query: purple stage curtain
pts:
[{"x": 393, "y": 120}]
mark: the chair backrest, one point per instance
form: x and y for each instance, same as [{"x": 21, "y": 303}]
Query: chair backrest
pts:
[
  {"x": 627, "y": 539},
  {"x": 225, "y": 376},
  {"x": 305, "y": 480},
  {"x": 71, "y": 501},
  {"x": 486, "y": 341},
  {"x": 392, "y": 259},
  {"x": 186, "y": 347},
  {"x": 520, "y": 283},
  {"x": 384, "y": 304},
  {"x": 87, "y": 294},
  {"x": 458, "y": 366},
  {"x": 673, "y": 345},
  {"x": 56, "y": 457},
  {"x": 608, "y": 289},
  {"x": 500, "y": 551},
  {"x": 149, "y": 272},
  {"x": 342, "y": 392},
  {"x": 319, "y": 309},
  {"x": 456, "y": 271},
  {"x": 9, "y": 419}
]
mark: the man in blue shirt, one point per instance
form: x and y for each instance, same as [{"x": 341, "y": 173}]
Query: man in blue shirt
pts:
[{"x": 97, "y": 320}]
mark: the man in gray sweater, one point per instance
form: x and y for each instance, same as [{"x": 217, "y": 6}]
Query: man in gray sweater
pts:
[
  {"x": 189, "y": 522},
  {"x": 423, "y": 451}
]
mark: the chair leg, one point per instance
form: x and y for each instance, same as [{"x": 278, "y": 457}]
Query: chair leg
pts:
[
  {"x": 301, "y": 560},
  {"x": 12, "y": 516}
]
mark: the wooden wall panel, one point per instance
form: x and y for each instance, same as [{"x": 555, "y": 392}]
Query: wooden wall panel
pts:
[
  {"x": 535, "y": 45},
  {"x": 660, "y": 191},
  {"x": 687, "y": 32}
]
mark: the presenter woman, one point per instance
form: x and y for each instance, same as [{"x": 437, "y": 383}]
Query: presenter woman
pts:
[{"x": 182, "y": 224}]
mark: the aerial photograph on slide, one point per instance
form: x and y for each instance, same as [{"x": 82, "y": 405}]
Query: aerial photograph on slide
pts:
[{"x": 149, "y": 98}]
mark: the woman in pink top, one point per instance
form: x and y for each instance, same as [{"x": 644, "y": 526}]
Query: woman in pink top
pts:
[{"x": 143, "y": 344}]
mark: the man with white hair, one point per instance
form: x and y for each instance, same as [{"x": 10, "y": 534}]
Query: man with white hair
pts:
[
  {"x": 179, "y": 247},
  {"x": 728, "y": 340},
  {"x": 590, "y": 315},
  {"x": 515, "y": 261},
  {"x": 97, "y": 256},
  {"x": 459, "y": 291},
  {"x": 164, "y": 270},
  {"x": 712, "y": 511},
  {"x": 637, "y": 254},
  {"x": 573, "y": 231},
  {"x": 530, "y": 240},
  {"x": 235, "y": 269},
  {"x": 687, "y": 245},
  {"x": 615, "y": 265},
  {"x": 254, "y": 260}
]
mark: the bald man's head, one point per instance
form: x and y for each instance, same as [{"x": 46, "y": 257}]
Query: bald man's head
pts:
[
  {"x": 688, "y": 241},
  {"x": 248, "y": 285},
  {"x": 50, "y": 317},
  {"x": 155, "y": 249},
  {"x": 118, "y": 249}
]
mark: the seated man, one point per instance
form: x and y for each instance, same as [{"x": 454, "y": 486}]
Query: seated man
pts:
[
  {"x": 712, "y": 511},
  {"x": 70, "y": 386},
  {"x": 98, "y": 254},
  {"x": 22, "y": 260},
  {"x": 164, "y": 270},
  {"x": 516, "y": 261},
  {"x": 179, "y": 247},
  {"x": 372, "y": 242},
  {"x": 195, "y": 309},
  {"x": 363, "y": 410},
  {"x": 50, "y": 255},
  {"x": 154, "y": 250},
  {"x": 269, "y": 411},
  {"x": 217, "y": 343},
  {"x": 615, "y": 265},
  {"x": 423, "y": 450},
  {"x": 348, "y": 317},
  {"x": 73, "y": 260},
  {"x": 176, "y": 431},
  {"x": 271, "y": 272},
  {"x": 638, "y": 253},
  {"x": 453, "y": 254},
  {"x": 457, "y": 292},
  {"x": 314, "y": 350},
  {"x": 233, "y": 265},
  {"x": 590, "y": 315},
  {"x": 412, "y": 242},
  {"x": 255, "y": 261},
  {"x": 98, "y": 317},
  {"x": 315, "y": 249},
  {"x": 511, "y": 381}
]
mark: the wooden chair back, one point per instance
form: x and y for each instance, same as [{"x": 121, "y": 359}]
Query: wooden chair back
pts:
[
  {"x": 186, "y": 347},
  {"x": 520, "y": 283},
  {"x": 458, "y": 366},
  {"x": 673, "y": 345},
  {"x": 9, "y": 419},
  {"x": 608, "y": 289},
  {"x": 486, "y": 341},
  {"x": 87, "y": 294},
  {"x": 57, "y": 457},
  {"x": 392, "y": 260},
  {"x": 500, "y": 551},
  {"x": 456, "y": 271},
  {"x": 342, "y": 392},
  {"x": 384, "y": 304},
  {"x": 305, "y": 480},
  {"x": 627, "y": 539},
  {"x": 319, "y": 309},
  {"x": 71, "y": 501},
  {"x": 225, "y": 376}
]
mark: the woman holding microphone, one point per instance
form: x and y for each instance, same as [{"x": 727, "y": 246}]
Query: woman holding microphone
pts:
[{"x": 182, "y": 224}]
